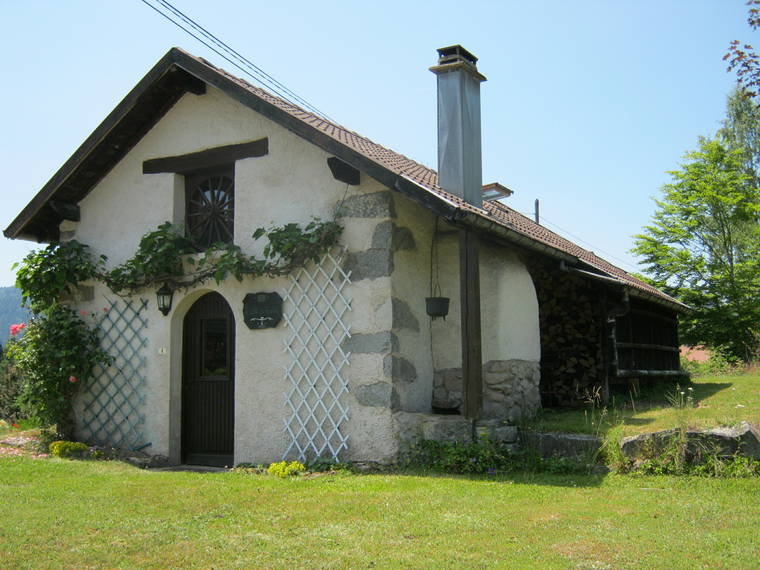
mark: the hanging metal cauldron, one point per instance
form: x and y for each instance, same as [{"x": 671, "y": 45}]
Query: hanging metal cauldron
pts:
[{"x": 437, "y": 306}]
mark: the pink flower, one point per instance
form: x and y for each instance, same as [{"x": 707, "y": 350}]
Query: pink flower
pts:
[
  {"x": 17, "y": 328},
  {"x": 105, "y": 309},
  {"x": 72, "y": 379}
]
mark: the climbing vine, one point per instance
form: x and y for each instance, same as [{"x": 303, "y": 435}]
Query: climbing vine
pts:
[
  {"x": 166, "y": 255},
  {"x": 58, "y": 350},
  {"x": 45, "y": 275}
]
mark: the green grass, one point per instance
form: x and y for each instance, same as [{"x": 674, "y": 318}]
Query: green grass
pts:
[
  {"x": 718, "y": 401},
  {"x": 65, "y": 514}
]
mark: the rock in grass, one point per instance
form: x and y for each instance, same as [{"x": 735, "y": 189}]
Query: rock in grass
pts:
[{"x": 743, "y": 439}]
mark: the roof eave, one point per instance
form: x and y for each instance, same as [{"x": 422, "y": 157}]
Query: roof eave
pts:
[
  {"x": 483, "y": 223},
  {"x": 20, "y": 227}
]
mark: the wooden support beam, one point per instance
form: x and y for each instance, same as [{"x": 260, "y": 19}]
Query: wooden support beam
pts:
[
  {"x": 652, "y": 315},
  {"x": 645, "y": 346},
  {"x": 637, "y": 373},
  {"x": 65, "y": 210},
  {"x": 472, "y": 357},
  {"x": 209, "y": 158},
  {"x": 343, "y": 172}
]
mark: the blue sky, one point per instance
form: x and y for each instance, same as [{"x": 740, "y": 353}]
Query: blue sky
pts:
[{"x": 588, "y": 104}]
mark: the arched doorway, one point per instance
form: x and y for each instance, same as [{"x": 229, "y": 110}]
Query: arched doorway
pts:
[{"x": 208, "y": 382}]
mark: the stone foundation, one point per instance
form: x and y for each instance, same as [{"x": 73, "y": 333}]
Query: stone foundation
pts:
[
  {"x": 510, "y": 389},
  {"x": 410, "y": 428}
]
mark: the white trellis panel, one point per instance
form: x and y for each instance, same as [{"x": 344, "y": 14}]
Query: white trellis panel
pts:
[
  {"x": 315, "y": 306},
  {"x": 114, "y": 399}
]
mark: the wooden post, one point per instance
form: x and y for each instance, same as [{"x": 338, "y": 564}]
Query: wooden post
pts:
[{"x": 472, "y": 359}]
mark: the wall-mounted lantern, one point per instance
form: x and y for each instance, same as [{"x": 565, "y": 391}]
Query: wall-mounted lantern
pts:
[{"x": 164, "y": 299}]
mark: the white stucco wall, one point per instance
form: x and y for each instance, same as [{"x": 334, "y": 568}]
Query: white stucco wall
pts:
[
  {"x": 508, "y": 309},
  {"x": 411, "y": 284},
  {"x": 290, "y": 184}
]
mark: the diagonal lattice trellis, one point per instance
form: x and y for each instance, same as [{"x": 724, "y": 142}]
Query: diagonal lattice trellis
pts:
[
  {"x": 114, "y": 399},
  {"x": 316, "y": 308}
]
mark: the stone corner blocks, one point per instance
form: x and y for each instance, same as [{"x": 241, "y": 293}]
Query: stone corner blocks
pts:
[
  {"x": 399, "y": 368},
  {"x": 374, "y": 205}
]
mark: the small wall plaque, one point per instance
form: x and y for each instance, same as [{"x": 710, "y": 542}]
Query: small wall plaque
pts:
[{"x": 262, "y": 310}]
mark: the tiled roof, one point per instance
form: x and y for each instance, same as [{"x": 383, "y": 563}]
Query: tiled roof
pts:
[
  {"x": 428, "y": 179},
  {"x": 179, "y": 72}
]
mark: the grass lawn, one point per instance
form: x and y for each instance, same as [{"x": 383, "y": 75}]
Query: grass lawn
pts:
[
  {"x": 65, "y": 514},
  {"x": 718, "y": 401}
]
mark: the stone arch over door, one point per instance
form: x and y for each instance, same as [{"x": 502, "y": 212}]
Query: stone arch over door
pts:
[{"x": 208, "y": 382}]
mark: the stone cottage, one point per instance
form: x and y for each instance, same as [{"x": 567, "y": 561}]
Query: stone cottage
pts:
[{"x": 339, "y": 359}]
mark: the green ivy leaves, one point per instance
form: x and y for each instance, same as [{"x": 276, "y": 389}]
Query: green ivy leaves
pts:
[
  {"x": 44, "y": 275},
  {"x": 167, "y": 255}
]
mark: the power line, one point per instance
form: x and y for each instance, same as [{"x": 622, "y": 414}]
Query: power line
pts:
[
  {"x": 268, "y": 78},
  {"x": 234, "y": 57},
  {"x": 580, "y": 239}
]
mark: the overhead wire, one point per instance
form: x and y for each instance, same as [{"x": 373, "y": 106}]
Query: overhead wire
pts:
[
  {"x": 263, "y": 74},
  {"x": 589, "y": 244},
  {"x": 262, "y": 77},
  {"x": 230, "y": 55}
]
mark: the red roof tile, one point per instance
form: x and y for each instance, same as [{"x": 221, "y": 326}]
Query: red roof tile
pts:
[
  {"x": 99, "y": 153},
  {"x": 428, "y": 179}
]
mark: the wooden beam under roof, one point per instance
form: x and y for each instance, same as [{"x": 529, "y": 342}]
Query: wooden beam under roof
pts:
[{"x": 208, "y": 158}]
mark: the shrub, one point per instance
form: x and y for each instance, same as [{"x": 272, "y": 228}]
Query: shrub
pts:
[
  {"x": 44, "y": 275},
  {"x": 719, "y": 363},
  {"x": 322, "y": 465},
  {"x": 72, "y": 449},
  {"x": 10, "y": 389},
  {"x": 285, "y": 468},
  {"x": 486, "y": 457},
  {"x": 57, "y": 353},
  {"x": 249, "y": 468}
]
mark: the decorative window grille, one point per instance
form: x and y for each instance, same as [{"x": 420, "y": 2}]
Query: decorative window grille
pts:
[
  {"x": 315, "y": 310},
  {"x": 114, "y": 399},
  {"x": 210, "y": 206}
]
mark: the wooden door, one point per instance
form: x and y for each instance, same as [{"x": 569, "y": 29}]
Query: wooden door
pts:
[{"x": 208, "y": 382}]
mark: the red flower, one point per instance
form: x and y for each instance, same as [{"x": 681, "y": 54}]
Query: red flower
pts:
[
  {"x": 17, "y": 328},
  {"x": 83, "y": 313},
  {"x": 14, "y": 425},
  {"x": 105, "y": 309},
  {"x": 72, "y": 379}
]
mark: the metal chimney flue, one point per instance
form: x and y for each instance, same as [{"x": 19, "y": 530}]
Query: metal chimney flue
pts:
[{"x": 459, "y": 146}]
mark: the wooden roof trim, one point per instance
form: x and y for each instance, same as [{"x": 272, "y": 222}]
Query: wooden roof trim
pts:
[
  {"x": 199, "y": 73},
  {"x": 18, "y": 227},
  {"x": 187, "y": 163}
]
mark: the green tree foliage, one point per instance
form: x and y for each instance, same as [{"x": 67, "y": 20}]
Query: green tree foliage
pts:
[
  {"x": 703, "y": 247},
  {"x": 741, "y": 131}
]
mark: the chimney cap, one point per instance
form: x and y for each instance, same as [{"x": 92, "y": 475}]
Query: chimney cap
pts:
[{"x": 454, "y": 53}]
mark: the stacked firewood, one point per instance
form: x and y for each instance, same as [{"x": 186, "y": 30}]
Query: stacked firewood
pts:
[{"x": 570, "y": 315}]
